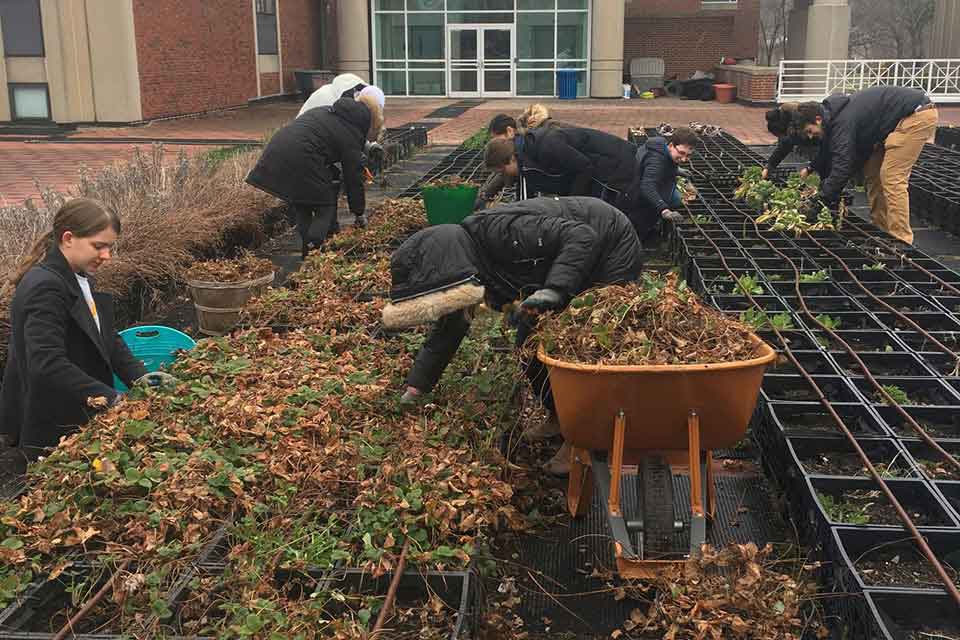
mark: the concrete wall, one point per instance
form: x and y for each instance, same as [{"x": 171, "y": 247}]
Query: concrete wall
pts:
[
  {"x": 606, "y": 49},
  {"x": 353, "y": 38},
  {"x": 945, "y": 30},
  {"x": 90, "y": 66}
]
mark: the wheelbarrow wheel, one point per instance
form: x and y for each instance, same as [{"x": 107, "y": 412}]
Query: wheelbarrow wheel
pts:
[{"x": 656, "y": 487}]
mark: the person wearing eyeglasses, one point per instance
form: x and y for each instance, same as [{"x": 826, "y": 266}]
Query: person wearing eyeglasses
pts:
[{"x": 653, "y": 194}]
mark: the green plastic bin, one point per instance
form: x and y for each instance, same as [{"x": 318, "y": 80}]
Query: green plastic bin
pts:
[{"x": 449, "y": 205}]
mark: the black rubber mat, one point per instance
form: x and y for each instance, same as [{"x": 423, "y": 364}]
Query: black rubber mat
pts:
[
  {"x": 568, "y": 600},
  {"x": 454, "y": 110}
]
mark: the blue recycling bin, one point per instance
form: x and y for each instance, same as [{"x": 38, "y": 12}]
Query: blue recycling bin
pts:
[
  {"x": 567, "y": 84},
  {"x": 155, "y": 346}
]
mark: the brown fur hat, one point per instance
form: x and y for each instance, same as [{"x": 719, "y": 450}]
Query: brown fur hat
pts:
[
  {"x": 431, "y": 307},
  {"x": 376, "y": 117}
]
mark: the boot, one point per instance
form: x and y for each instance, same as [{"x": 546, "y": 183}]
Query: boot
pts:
[
  {"x": 542, "y": 430},
  {"x": 559, "y": 464}
]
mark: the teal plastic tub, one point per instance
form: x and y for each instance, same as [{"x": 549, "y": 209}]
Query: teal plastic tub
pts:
[
  {"x": 155, "y": 346},
  {"x": 449, "y": 205}
]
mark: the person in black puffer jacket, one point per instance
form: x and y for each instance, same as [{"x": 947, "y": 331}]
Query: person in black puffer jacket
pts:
[
  {"x": 593, "y": 163},
  {"x": 297, "y": 164},
  {"x": 544, "y": 251},
  {"x": 653, "y": 194},
  {"x": 780, "y": 124},
  {"x": 881, "y": 130}
]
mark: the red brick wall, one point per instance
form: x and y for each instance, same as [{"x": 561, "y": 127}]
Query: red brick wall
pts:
[
  {"x": 687, "y": 36},
  {"x": 194, "y": 55},
  {"x": 300, "y": 38},
  {"x": 750, "y": 87},
  {"x": 270, "y": 84}
]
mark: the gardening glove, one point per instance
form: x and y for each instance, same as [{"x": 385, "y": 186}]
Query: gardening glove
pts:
[
  {"x": 374, "y": 151},
  {"x": 671, "y": 216},
  {"x": 155, "y": 379},
  {"x": 686, "y": 173},
  {"x": 411, "y": 396},
  {"x": 811, "y": 209},
  {"x": 360, "y": 221},
  {"x": 542, "y": 300}
]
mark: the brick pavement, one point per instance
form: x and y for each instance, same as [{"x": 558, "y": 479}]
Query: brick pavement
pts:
[{"x": 57, "y": 165}]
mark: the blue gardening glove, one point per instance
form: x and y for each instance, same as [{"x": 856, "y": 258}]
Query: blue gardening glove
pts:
[
  {"x": 155, "y": 379},
  {"x": 542, "y": 300}
]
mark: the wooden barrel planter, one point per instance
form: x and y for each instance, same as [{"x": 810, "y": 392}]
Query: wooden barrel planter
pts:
[{"x": 219, "y": 304}]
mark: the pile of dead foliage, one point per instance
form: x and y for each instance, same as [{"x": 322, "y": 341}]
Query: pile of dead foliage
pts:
[
  {"x": 241, "y": 269},
  {"x": 737, "y": 592},
  {"x": 658, "y": 321}
]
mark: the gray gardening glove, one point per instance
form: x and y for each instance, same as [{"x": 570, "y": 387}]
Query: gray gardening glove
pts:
[
  {"x": 155, "y": 379},
  {"x": 374, "y": 151},
  {"x": 671, "y": 216},
  {"x": 360, "y": 221},
  {"x": 543, "y": 300},
  {"x": 411, "y": 396}
]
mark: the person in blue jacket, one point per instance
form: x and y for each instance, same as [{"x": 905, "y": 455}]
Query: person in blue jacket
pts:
[{"x": 653, "y": 194}]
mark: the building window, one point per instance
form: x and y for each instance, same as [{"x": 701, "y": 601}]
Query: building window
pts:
[
  {"x": 29, "y": 101},
  {"x": 267, "y": 27},
  {"x": 415, "y": 40},
  {"x": 22, "y": 28}
]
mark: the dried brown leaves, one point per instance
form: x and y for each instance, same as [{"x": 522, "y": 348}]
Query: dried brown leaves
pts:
[
  {"x": 245, "y": 267},
  {"x": 655, "y": 322},
  {"x": 737, "y": 592}
]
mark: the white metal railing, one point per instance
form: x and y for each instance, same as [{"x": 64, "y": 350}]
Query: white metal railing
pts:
[{"x": 802, "y": 80}]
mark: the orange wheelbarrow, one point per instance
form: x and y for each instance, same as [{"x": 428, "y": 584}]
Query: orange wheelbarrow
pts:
[{"x": 648, "y": 416}]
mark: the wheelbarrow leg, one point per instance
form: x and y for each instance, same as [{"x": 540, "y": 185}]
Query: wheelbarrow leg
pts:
[
  {"x": 616, "y": 465},
  {"x": 580, "y": 483},
  {"x": 698, "y": 521},
  {"x": 711, "y": 489}
]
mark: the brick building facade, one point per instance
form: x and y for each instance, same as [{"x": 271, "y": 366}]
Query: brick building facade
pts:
[
  {"x": 690, "y": 35},
  {"x": 85, "y": 61}
]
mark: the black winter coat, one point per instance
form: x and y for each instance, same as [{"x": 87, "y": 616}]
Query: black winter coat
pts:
[
  {"x": 296, "y": 164},
  {"x": 786, "y": 145},
  {"x": 653, "y": 186},
  {"x": 567, "y": 244},
  {"x": 854, "y": 125},
  {"x": 57, "y": 358},
  {"x": 588, "y": 156}
]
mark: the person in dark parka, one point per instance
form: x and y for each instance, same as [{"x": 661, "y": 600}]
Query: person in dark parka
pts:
[
  {"x": 653, "y": 194},
  {"x": 780, "y": 123},
  {"x": 880, "y": 130},
  {"x": 297, "y": 164},
  {"x": 64, "y": 349},
  {"x": 544, "y": 251},
  {"x": 597, "y": 163}
]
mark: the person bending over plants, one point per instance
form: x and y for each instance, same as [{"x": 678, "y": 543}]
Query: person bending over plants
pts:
[
  {"x": 543, "y": 251},
  {"x": 64, "y": 349},
  {"x": 298, "y": 164},
  {"x": 880, "y": 130}
]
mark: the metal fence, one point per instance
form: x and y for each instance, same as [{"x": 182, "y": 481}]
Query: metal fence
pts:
[{"x": 802, "y": 80}]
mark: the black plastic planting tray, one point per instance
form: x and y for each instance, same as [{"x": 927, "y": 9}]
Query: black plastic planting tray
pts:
[
  {"x": 921, "y": 392},
  {"x": 890, "y": 560},
  {"x": 941, "y": 423},
  {"x": 896, "y": 615}
]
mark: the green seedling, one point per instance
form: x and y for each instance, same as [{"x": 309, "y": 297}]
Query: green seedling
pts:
[
  {"x": 817, "y": 276},
  {"x": 898, "y": 395},
  {"x": 842, "y": 511},
  {"x": 829, "y": 322},
  {"x": 782, "y": 322},
  {"x": 877, "y": 266},
  {"x": 747, "y": 285}
]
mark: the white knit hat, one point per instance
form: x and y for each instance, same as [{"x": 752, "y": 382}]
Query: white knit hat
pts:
[{"x": 371, "y": 90}]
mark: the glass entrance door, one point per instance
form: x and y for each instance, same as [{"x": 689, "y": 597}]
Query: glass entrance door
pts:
[{"x": 481, "y": 61}]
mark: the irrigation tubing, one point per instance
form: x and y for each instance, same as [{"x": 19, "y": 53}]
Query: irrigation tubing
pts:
[
  {"x": 108, "y": 586},
  {"x": 866, "y": 372},
  {"x": 901, "y": 513}
]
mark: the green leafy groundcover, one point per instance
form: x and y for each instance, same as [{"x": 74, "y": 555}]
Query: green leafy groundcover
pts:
[{"x": 290, "y": 446}]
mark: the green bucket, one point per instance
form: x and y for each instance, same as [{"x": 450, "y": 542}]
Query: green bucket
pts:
[{"x": 449, "y": 205}]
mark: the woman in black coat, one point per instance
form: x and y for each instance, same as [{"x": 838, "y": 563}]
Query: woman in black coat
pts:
[
  {"x": 297, "y": 164},
  {"x": 544, "y": 251},
  {"x": 64, "y": 349}
]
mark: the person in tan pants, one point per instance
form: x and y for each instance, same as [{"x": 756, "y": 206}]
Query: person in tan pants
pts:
[
  {"x": 880, "y": 130},
  {"x": 887, "y": 172}
]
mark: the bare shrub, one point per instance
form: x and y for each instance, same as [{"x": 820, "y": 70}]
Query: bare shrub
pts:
[{"x": 172, "y": 213}]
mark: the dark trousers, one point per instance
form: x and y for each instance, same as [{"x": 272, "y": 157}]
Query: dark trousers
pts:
[
  {"x": 444, "y": 340},
  {"x": 314, "y": 224}
]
